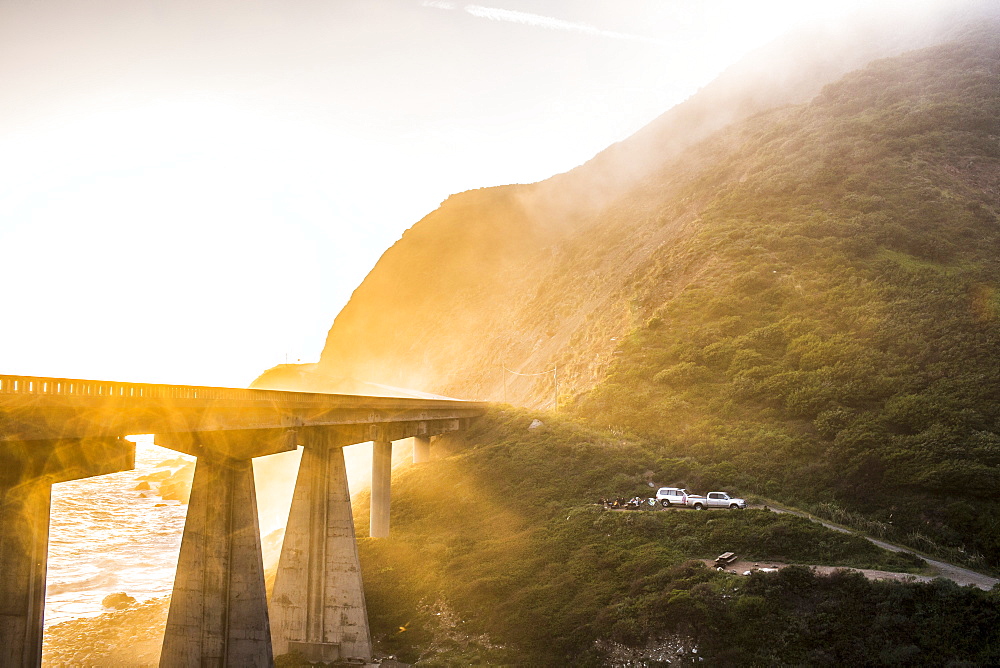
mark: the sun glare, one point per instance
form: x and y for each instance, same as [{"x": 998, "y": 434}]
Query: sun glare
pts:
[
  {"x": 162, "y": 228},
  {"x": 202, "y": 238},
  {"x": 740, "y": 26}
]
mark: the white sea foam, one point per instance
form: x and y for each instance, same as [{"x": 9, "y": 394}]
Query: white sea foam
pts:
[{"x": 107, "y": 537}]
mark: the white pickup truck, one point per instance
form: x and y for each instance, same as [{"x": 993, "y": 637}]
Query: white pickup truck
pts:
[{"x": 715, "y": 500}]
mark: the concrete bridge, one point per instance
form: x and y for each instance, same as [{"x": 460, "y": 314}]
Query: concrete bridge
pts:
[{"x": 58, "y": 429}]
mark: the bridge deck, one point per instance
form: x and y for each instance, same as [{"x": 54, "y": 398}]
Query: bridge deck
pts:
[{"x": 39, "y": 408}]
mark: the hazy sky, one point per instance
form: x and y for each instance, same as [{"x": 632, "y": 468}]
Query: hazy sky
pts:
[{"x": 189, "y": 190}]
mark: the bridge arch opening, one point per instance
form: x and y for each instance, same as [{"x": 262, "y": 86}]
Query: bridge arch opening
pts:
[{"x": 111, "y": 534}]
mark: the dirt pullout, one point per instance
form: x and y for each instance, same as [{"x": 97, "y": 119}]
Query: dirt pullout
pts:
[{"x": 743, "y": 567}]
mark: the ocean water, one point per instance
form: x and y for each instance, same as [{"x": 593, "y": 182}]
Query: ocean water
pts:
[{"x": 107, "y": 537}]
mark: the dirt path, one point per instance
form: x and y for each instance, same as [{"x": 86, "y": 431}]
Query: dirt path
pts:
[
  {"x": 962, "y": 576},
  {"x": 744, "y": 567}
]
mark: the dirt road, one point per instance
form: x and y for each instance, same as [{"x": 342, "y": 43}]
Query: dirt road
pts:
[
  {"x": 743, "y": 567},
  {"x": 962, "y": 576}
]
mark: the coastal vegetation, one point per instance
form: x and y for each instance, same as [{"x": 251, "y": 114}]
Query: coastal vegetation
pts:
[{"x": 499, "y": 555}]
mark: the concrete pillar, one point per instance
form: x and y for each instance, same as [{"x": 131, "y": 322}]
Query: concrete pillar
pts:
[
  {"x": 381, "y": 479},
  {"x": 421, "y": 449},
  {"x": 318, "y": 602},
  {"x": 218, "y": 609},
  {"x": 24, "y": 541}
]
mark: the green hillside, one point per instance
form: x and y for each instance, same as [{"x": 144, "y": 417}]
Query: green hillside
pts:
[
  {"x": 835, "y": 339},
  {"x": 499, "y": 555}
]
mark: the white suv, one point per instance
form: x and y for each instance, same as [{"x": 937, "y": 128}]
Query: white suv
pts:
[{"x": 671, "y": 496}]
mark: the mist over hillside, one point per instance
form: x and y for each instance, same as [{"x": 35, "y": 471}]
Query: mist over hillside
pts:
[
  {"x": 535, "y": 275},
  {"x": 796, "y": 296}
]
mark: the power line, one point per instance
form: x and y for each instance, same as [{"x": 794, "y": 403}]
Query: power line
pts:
[
  {"x": 516, "y": 373},
  {"x": 555, "y": 380}
]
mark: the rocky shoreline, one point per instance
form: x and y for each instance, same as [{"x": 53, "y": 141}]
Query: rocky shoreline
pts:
[{"x": 172, "y": 483}]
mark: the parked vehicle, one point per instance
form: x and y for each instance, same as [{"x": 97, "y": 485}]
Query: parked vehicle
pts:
[
  {"x": 678, "y": 497},
  {"x": 715, "y": 500},
  {"x": 672, "y": 496}
]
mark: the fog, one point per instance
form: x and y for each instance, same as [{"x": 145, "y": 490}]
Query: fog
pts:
[{"x": 180, "y": 177}]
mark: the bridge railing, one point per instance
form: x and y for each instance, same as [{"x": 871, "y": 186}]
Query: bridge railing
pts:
[
  {"x": 80, "y": 388},
  {"x": 100, "y": 388}
]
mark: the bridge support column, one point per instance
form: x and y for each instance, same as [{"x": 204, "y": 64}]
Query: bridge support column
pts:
[
  {"x": 318, "y": 603},
  {"x": 381, "y": 480},
  {"x": 218, "y": 609},
  {"x": 28, "y": 470},
  {"x": 24, "y": 542},
  {"x": 421, "y": 449}
]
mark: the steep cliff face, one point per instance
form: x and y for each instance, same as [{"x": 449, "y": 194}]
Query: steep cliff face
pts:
[{"x": 531, "y": 277}]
